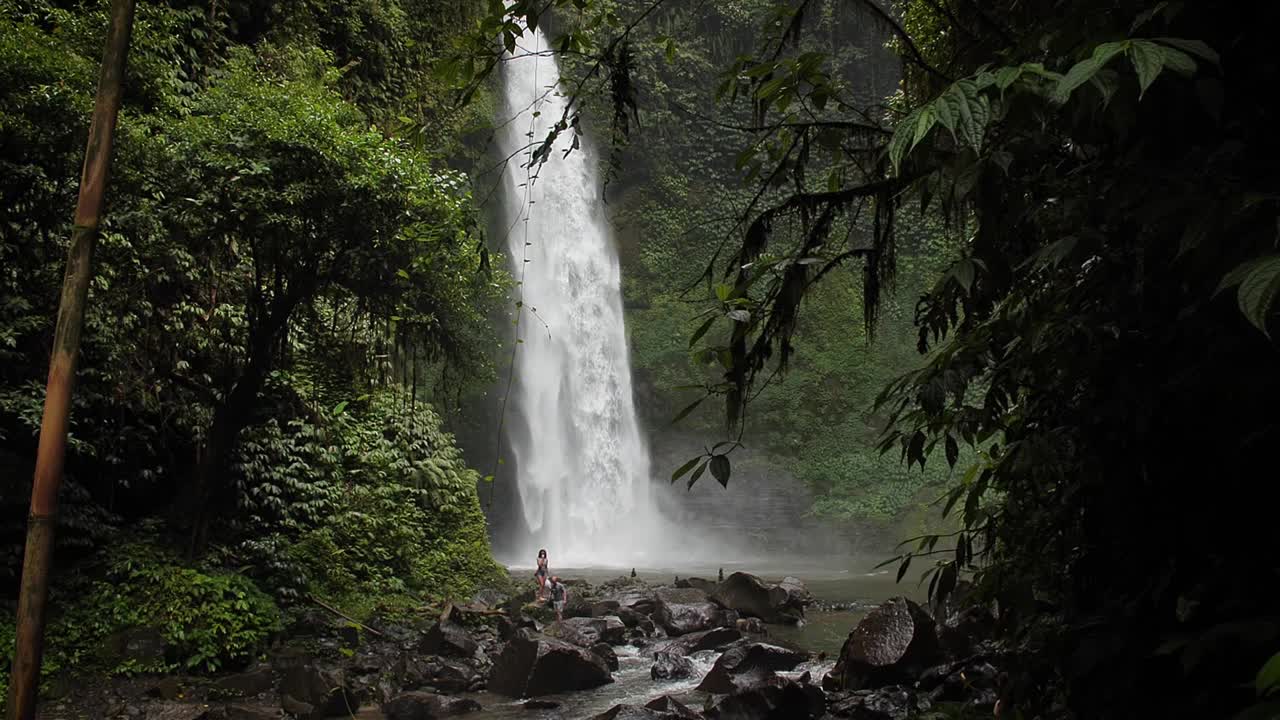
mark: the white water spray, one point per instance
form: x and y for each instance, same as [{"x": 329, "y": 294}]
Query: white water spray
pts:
[{"x": 582, "y": 467}]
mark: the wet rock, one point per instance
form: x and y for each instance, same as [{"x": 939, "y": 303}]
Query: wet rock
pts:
[
  {"x": 893, "y": 644},
  {"x": 753, "y": 597},
  {"x": 960, "y": 632},
  {"x": 312, "y": 692},
  {"x": 630, "y": 617},
  {"x": 604, "y": 651},
  {"x": 638, "y": 597},
  {"x": 776, "y": 698},
  {"x": 706, "y": 586},
  {"x": 798, "y": 594},
  {"x": 970, "y": 680},
  {"x": 712, "y": 639},
  {"x": 447, "y": 637},
  {"x": 752, "y": 625},
  {"x": 671, "y": 706},
  {"x": 247, "y": 684},
  {"x": 587, "y": 631},
  {"x": 243, "y": 711},
  {"x": 540, "y": 705},
  {"x": 685, "y": 610},
  {"x": 747, "y": 664},
  {"x": 533, "y": 664},
  {"x": 604, "y": 608},
  {"x": 634, "y": 712},
  {"x": 888, "y": 703},
  {"x": 669, "y": 666},
  {"x": 427, "y": 706},
  {"x": 166, "y": 688},
  {"x": 166, "y": 710}
]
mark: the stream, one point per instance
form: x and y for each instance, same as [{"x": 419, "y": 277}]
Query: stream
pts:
[{"x": 823, "y": 631}]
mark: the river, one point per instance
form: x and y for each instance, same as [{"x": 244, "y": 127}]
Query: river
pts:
[{"x": 822, "y": 632}]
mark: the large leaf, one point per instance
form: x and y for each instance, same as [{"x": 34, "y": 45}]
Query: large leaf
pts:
[
  {"x": 1258, "y": 290},
  {"x": 1148, "y": 60},
  {"x": 720, "y": 469}
]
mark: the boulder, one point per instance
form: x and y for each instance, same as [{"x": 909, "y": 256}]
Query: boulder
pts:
[
  {"x": 533, "y": 664},
  {"x": 605, "y": 652},
  {"x": 961, "y": 631},
  {"x": 685, "y": 610},
  {"x": 587, "y": 631},
  {"x": 888, "y": 703},
  {"x": 309, "y": 691},
  {"x": 637, "y": 597},
  {"x": 712, "y": 639},
  {"x": 415, "y": 671},
  {"x": 243, "y": 711},
  {"x": 798, "y": 594},
  {"x": 630, "y": 617},
  {"x": 604, "y": 608},
  {"x": 426, "y": 706},
  {"x": 753, "y": 597},
  {"x": 752, "y": 625},
  {"x": 747, "y": 664},
  {"x": 893, "y": 644},
  {"x": 671, "y": 706},
  {"x": 165, "y": 710},
  {"x": 166, "y": 688},
  {"x": 447, "y": 637},
  {"x": 250, "y": 683},
  {"x": 775, "y": 698},
  {"x": 706, "y": 586},
  {"x": 669, "y": 666},
  {"x": 636, "y": 712}
]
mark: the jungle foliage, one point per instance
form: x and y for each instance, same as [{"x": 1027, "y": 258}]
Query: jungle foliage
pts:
[
  {"x": 1100, "y": 342},
  {"x": 287, "y": 272}
]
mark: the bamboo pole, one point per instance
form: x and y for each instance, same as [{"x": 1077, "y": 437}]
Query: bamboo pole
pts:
[{"x": 24, "y": 681}]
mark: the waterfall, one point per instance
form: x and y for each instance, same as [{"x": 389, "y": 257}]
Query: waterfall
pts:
[{"x": 581, "y": 465}]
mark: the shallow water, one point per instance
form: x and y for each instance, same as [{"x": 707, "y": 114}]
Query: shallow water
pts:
[{"x": 822, "y": 632}]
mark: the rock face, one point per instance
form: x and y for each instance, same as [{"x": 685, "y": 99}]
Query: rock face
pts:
[
  {"x": 426, "y": 706},
  {"x": 752, "y": 597},
  {"x": 685, "y": 610},
  {"x": 667, "y": 666},
  {"x": 712, "y": 639},
  {"x": 308, "y": 691},
  {"x": 893, "y": 644},
  {"x": 447, "y": 637},
  {"x": 532, "y": 665},
  {"x": 748, "y": 664}
]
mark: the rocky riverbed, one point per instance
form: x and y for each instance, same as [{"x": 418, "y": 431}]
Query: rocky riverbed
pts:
[{"x": 627, "y": 648}]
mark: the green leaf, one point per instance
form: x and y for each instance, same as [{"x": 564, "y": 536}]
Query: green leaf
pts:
[
  {"x": 1268, "y": 678},
  {"x": 697, "y": 474},
  {"x": 1079, "y": 74},
  {"x": 723, "y": 291},
  {"x": 720, "y": 469},
  {"x": 702, "y": 330},
  {"x": 1148, "y": 60},
  {"x": 685, "y": 412},
  {"x": 924, "y": 123},
  {"x": 337, "y": 409},
  {"x": 901, "y": 140},
  {"x": 902, "y": 569},
  {"x": 685, "y": 468},
  {"x": 488, "y": 478},
  {"x": 953, "y": 451},
  {"x": 1258, "y": 290},
  {"x": 1193, "y": 47},
  {"x": 403, "y": 273}
]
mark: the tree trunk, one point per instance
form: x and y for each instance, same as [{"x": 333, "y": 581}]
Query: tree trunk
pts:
[{"x": 25, "y": 678}]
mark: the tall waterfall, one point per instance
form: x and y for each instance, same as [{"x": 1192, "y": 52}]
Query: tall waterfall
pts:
[{"x": 580, "y": 463}]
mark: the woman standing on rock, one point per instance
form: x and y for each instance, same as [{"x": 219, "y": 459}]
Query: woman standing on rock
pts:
[{"x": 541, "y": 573}]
